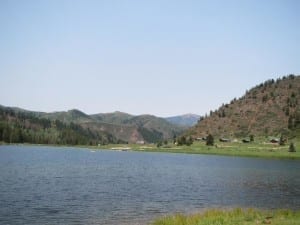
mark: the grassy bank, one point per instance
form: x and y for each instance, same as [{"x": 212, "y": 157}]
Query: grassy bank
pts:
[
  {"x": 265, "y": 150},
  {"x": 233, "y": 217}
]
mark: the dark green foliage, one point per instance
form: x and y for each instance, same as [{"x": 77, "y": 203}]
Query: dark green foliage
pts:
[
  {"x": 293, "y": 95},
  {"x": 174, "y": 138},
  {"x": 159, "y": 144},
  {"x": 287, "y": 111},
  {"x": 185, "y": 141},
  {"x": 251, "y": 137},
  {"x": 292, "y": 147},
  {"x": 210, "y": 140},
  {"x": 282, "y": 140},
  {"x": 292, "y": 76},
  {"x": 150, "y": 136},
  {"x": 26, "y": 127},
  {"x": 222, "y": 113},
  {"x": 181, "y": 140},
  {"x": 189, "y": 141},
  {"x": 265, "y": 98}
]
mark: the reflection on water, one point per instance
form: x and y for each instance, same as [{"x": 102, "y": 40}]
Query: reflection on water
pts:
[{"x": 45, "y": 185}]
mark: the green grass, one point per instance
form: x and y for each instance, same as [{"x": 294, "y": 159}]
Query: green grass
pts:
[
  {"x": 257, "y": 149},
  {"x": 233, "y": 217}
]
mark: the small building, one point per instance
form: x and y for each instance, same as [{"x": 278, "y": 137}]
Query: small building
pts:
[
  {"x": 245, "y": 140},
  {"x": 140, "y": 142},
  {"x": 200, "y": 139},
  {"x": 224, "y": 140},
  {"x": 274, "y": 140}
]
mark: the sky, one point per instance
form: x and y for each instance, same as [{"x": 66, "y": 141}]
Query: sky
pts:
[{"x": 142, "y": 57}]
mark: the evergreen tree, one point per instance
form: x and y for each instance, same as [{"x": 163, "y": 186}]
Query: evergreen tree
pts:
[
  {"x": 181, "y": 140},
  {"x": 159, "y": 144},
  {"x": 189, "y": 141},
  {"x": 281, "y": 140},
  {"x": 251, "y": 137},
  {"x": 292, "y": 147},
  {"x": 174, "y": 139},
  {"x": 210, "y": 140}
]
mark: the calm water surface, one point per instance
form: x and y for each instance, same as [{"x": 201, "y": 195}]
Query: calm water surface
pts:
[{"x": 47, "y": 185}]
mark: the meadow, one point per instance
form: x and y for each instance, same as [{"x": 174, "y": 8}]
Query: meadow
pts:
[{"x": 253, "y": 149}]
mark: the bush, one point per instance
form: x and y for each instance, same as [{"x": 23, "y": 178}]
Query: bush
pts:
[
  {"x": 189, "y": 141},
  {"x": 292, "y": 147},
  {"x": 210, "y": 140},
  {"x": 159, "y": 144},
  {"x": 281, "y": 140},
  {"x": 185, "y": 141}
]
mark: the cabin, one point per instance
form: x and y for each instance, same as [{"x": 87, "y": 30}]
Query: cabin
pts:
[
  {"x": 224, "y": 140},
  {"x": 245, "y": 140},
  {"x": 200, "y": 139},
  {"x": 274, "y": 140}
]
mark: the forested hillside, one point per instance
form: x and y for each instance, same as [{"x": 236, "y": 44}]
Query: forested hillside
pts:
[
  {"x": 20, "y": 126},
  {"x": 74, "y": 127},
  {"x": 269, "y": 109}
]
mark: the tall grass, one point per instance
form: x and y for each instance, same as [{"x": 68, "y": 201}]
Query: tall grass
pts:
[{"x": 236, "y": 216}]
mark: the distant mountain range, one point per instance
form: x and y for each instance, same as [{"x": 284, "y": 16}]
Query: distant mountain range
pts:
[
  {"x": 76, "y": 127},
  {"x": 269, "y": 109},
  {"x": 186, "y": 120}
]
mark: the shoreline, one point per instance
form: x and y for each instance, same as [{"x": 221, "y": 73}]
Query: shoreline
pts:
[
  {"x": 241, "y": 216},
  {"x": 231, "y": 151}
]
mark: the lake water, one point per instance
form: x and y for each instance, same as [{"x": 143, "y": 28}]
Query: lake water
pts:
[{"x": 49, "y": 185}]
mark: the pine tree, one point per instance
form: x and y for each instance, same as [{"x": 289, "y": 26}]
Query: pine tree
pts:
[
  {"x": 292, "y": 147},
  {"x": 281, "y": 140},
  {"x": 210, "y": 140}
]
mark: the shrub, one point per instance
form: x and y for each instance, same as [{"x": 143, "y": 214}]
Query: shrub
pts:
[
  {"x": 292, "y": 147},
  {"x": 210, "y": 140}
]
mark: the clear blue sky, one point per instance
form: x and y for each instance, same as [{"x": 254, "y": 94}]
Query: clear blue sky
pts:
[{"x": 156, "y": 57}]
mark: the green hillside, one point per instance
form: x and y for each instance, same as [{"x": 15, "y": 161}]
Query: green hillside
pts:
[
  {"x": 269, "y": 109},
  {"x": 75, "y": 127},
  {"x": 21, "y": 126},
  {"x": 113, "y": 118},
  {"x": 74, "y": 116}
]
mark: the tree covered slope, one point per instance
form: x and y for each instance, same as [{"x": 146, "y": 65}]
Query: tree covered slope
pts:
[
  {"x": 75, "y": 127},
  {"x": 269, "y": 109}
]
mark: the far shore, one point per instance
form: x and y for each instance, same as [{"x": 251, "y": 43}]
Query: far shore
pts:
[{"x": 261, "y": 150}]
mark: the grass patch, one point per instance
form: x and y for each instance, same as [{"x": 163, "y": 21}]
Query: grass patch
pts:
[
  {"x": 264, "y": 150},
  {"x": 236, "y": 216}
]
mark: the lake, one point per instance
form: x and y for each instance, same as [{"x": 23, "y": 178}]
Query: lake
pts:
[{"x": 57, "y": 185}]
